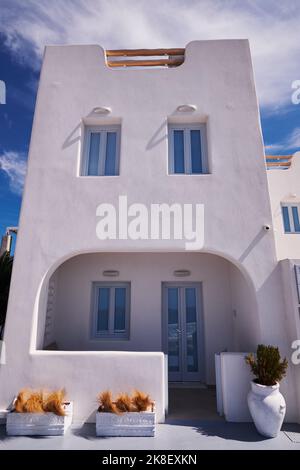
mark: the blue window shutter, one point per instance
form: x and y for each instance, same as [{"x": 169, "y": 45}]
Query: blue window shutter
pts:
[
  {"x": 196, "y": 153},
  {"x": 178, "y": 146},
  {"x": 120, "y": 309},
  {"x": 111, "y": 153},
  {"x": 103, "y": 309},
  {"x": 296, "y": 218},
  {"x": 286, "y": 219},
  {"x": 93, "y": 156}
]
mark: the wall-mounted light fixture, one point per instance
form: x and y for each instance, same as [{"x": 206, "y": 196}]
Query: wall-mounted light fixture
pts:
[
  {"x": 182, "y": 272},
  {"x": 186, "y": 108},
  {"x": 111, "y": 273},
  {"x": 102, "y": 110}
]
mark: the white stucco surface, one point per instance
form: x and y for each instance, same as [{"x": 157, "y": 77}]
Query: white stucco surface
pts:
[
  {"x": 235, "y": 377},
  {"x": 58, "y": 217},
  {"x": 284, "y": 188},
  {"x": 228, "y": 323}
]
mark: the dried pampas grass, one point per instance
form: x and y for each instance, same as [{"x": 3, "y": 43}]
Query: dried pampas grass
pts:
[
  {"x": 53, "y": 402},
  {"x": 30, "y": 401},
  {"x": 106, "y": 404},
  {"x": 141, "y": 401},
  {"x": 124, "y": 403},
  {"x": 34, "y": 404},
  {"x": 21, "y": 399}
]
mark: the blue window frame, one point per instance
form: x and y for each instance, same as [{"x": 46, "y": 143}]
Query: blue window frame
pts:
[
  {"x": 290, "y": 217},
  {"x": 188, "y": 149},
  {"x": 296, "y": 219},
  {"x": 110, "y": 310},
  {"x": 102, "y": 151}
]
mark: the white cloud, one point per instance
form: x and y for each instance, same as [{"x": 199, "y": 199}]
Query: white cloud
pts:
[
  {"x": 273, "y": 148},
  {"x": 271, "y": 26},
  {"x": 14, "y": 165},
  {"x": 292, "y": 142}
]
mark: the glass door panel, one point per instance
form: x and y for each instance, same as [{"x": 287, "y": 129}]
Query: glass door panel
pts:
[
  {"x": 174, "y": 363},
  {"x": 184, "y": 332}
]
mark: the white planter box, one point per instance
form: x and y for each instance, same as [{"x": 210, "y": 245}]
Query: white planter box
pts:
[
  {"x": 3, "y": 415},
  {"x": 39, "y": 424},
  {"x": 126, "y": 424}
]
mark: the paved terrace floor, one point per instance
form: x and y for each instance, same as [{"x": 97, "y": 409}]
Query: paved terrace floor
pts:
[
  {"x": 193, "y": 423},
  {"x": 175, "y": 435}
]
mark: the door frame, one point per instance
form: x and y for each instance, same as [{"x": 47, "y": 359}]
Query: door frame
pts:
[{"x": 200, "y": 328}]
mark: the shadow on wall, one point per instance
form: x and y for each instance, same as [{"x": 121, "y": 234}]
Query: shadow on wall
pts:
[
  {"x": 72, "y": 138},
  {"x": 159, "y": 136},
  {"x": 254, "y": 242},
  {"x": 161, "y": 133}
]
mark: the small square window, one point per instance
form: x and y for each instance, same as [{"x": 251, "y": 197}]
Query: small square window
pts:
[
  {"x": 188, "y": 149},
  {"x": 290, "y": 217},
  {"x": 110, "y": 310},
  {"x": 101, "y": 151}
]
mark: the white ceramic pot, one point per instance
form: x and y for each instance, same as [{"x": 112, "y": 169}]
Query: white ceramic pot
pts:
[{"x": 267, "y": 408}]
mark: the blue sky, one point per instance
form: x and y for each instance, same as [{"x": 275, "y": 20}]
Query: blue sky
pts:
[
  {"x": 26, "y": 26},
  {"x": 15, "y": 127}
]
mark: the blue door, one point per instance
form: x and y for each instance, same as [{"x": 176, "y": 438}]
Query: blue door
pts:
[{"x": 183, "y": 332}]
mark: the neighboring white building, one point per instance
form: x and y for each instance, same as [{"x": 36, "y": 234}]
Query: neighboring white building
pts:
[{"x": 91, "y": 314}]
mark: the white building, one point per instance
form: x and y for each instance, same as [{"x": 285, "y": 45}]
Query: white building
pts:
[{"x": 91, "y": 314}]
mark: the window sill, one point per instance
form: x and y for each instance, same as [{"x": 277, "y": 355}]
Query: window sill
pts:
[
  {"x": 195, "y": 175},
  {"x": 97, "y": 176},
  {"x": 109, "y": 338}
]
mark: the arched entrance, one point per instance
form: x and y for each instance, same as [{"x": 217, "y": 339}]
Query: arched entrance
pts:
[{"x": 119, "y": 302}]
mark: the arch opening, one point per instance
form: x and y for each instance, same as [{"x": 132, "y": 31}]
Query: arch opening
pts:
[{"x": 132, "y": 314}]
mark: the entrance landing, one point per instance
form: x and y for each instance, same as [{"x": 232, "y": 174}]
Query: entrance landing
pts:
[{"x": 196, "y": 403}]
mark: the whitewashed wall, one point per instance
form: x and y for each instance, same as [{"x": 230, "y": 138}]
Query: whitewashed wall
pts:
[
  {"x": 246, "y": 324},
  {"x": 284, "y": 186},
  {"x": 58, "y": 211},
  {"x": 146, "y": 272}
]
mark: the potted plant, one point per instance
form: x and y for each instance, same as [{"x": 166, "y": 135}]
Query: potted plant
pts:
[
  {"x": 39, "y": 413},
  {"x": 266, "y": 404},
  {"x": 126, "y": 415}
]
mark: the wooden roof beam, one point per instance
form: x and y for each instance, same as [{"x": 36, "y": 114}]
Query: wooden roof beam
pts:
[
  {"x": 145, "y": 63},
  {"x": 279, "y": 157},
  {"x": 144, "y": 52},
  {"x": 280, "y": 164}
]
